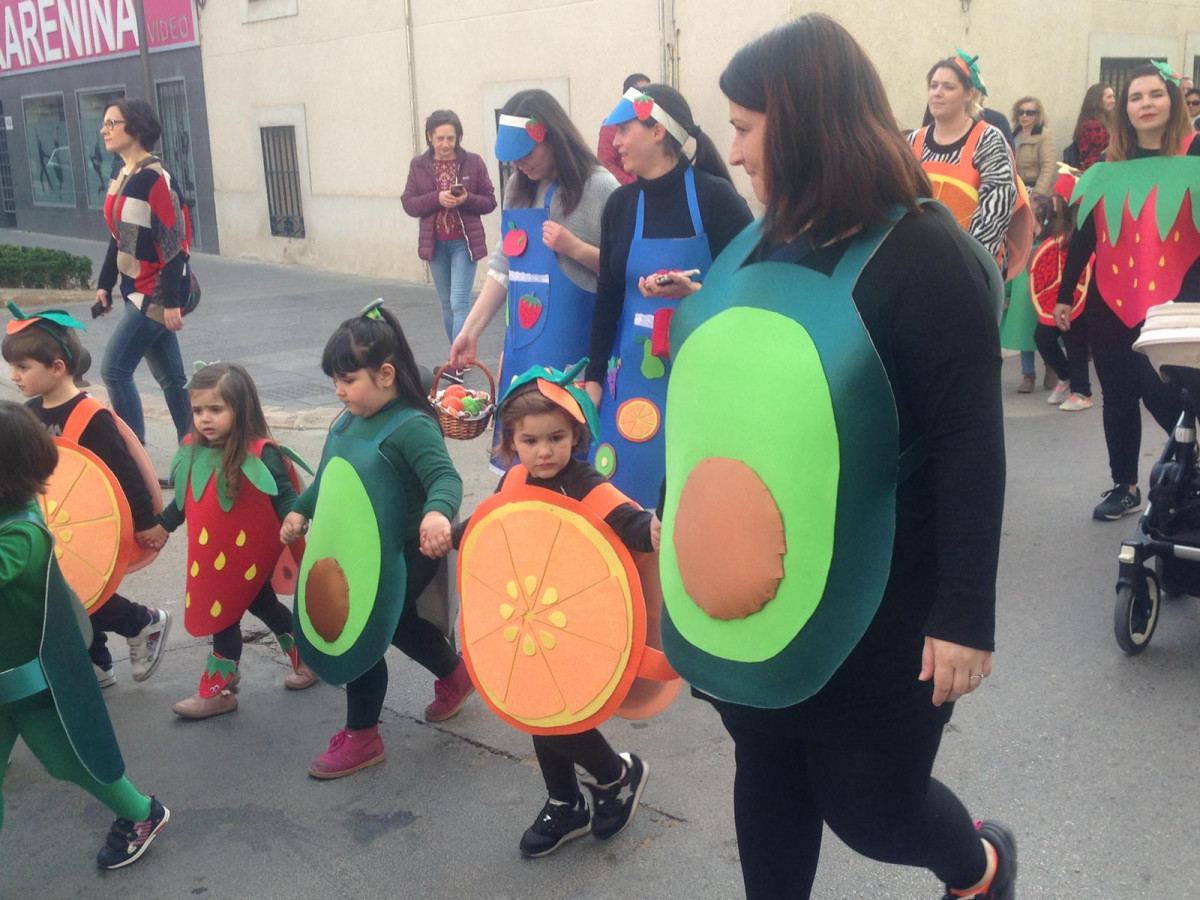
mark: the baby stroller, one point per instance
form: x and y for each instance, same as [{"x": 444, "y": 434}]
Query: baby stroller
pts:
[{"x": 1164, "y": 557}]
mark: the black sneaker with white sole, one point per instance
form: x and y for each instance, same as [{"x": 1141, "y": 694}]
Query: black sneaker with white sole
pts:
[
  {"x": 128, "y": 840},
  {"x": 614, "y": 804},
  {"x": 1004, "y": 883},
  {"x": 557, "y": 823},
  {"x": 1120, "y": 501}
]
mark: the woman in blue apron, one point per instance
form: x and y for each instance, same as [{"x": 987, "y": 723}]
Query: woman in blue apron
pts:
[
  {"x": 675, "y": 218},
  {"x": 831, "y": 532},
  {"x": 543, "y": 272}
]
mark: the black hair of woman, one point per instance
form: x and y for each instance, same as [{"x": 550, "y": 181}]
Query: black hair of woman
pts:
[
  {"x": 574, "y": 160},
  {"x": 707, "y": 157},
  {"x": 29, "y": 456},
  {"x": 440, "y": 117},
  {"x": 369, "y": 341},
  {"x": 141, "y": 122}
]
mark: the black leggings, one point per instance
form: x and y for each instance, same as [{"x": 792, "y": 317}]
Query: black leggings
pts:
[
  {"x": 119, "y": 615},
  {"x": 1073, "y": 364},
  {"x": 266, "y": 606},
  {"x": 557, "y": 754},
  {"x": 880, "y": 800},
  {"x": 1126, "y": 377},
  {"x": 417, "y": 639}
]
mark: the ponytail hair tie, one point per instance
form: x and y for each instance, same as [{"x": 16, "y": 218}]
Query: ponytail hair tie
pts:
[{"x": 371, "y": 310}]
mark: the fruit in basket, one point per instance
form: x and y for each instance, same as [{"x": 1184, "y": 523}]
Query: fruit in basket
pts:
[
  {"x": 456, "y": 390},
  {"x": 454, "y": 404},
  {"x": 471, "y": 406}
]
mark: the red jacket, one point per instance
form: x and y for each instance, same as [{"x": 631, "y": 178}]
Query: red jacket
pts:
[
  {"x": 609, "y": 156},
  {"x": 420, "y": 200}
]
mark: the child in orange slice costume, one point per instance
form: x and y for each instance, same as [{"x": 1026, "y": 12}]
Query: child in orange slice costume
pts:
[
  {"x": 44, "y": 351},
  {"x": 546, "y": 418},
  {"x": 234, "y": 485}
]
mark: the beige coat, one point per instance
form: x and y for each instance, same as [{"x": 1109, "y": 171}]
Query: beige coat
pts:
[{"x": 1037, "y": 160}]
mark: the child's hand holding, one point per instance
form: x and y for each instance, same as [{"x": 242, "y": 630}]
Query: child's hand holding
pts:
[
  {"x": 655, "y": 532},
  {"x": 152, "y": 538},
  {"x": 294, "y": 526},
  {"x": 435, "y": 535}
]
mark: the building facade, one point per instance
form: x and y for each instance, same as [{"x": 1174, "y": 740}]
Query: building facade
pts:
[
  {"x": 61, "y": 63},
  {"x": 319, "y": 104}
]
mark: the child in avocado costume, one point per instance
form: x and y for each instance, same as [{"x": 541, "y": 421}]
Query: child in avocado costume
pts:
[
  {"x": 546, "y": 419},
  {"x": 234, "y": 486},
  {"x": 48, "y": 695},
  {"x": 380, "y": 508},
  {"x": 45, "y": 352}
]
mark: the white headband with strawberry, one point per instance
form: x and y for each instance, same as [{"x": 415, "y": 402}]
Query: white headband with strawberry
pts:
[
  {"x": 646, "y": 107},
  {"x": 530, "y": 124}
]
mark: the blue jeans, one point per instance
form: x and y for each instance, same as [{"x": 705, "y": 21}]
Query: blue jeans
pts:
[
  {"x": 453, "y": 276},
  {"x": 139, "y": 337},
  {"x": 1027, "y": 363}
]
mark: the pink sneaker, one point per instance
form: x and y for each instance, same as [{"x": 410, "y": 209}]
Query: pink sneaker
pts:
[
  {"x": 450, "y": 693},
  {"x": 349, "y": 750}
]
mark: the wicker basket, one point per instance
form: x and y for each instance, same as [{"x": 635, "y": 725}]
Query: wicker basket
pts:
[{"x": 452, "y": 425}]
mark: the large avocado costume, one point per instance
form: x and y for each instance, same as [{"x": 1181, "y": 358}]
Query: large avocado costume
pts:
[
  {"x": 350, "y": 591},
  {"x": 62, "y": 665},
  {"x": 781, "y": 502}
]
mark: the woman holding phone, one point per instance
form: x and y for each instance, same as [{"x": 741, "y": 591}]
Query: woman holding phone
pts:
[{"x": 448, "y": 189}]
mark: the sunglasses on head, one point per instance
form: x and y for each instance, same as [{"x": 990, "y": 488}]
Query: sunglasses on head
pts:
[{"x": 1026, "y": 112}]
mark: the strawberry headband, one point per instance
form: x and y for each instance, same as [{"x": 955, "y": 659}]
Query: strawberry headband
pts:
[
  {"x": 970, "y": 68},
  {"x": 49, "y": 320},
  {"x": 637, "y": 104},
  {"x": 516, "y": 136}
]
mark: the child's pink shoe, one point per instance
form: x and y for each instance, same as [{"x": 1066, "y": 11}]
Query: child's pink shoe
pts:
[
  {"x": 450, "y": 693},
  {"x": 349, "y": 750}
]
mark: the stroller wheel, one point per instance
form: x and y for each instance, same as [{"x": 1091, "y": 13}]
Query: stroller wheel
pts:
[{"x": 1136, "y": 613}]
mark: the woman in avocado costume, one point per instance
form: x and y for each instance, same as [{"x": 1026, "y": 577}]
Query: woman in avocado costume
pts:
[
  {"x": 675, "y": 218},
  {"x": 829, "y": 549},
  {"x": 48, "y": 694},
  {"x": 1145, "y": 256},
  {"x": 544, "y": 269},
  {"x": 236, "y": 485},
  {"x": 380, "y": 509}
]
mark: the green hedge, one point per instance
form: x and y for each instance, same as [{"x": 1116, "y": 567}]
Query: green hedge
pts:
[{"x": 36, "y": 267}]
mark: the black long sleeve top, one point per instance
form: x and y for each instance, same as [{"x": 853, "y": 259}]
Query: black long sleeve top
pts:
[
  {"x": 102, "y": 438},
  {"x": 723, "y": 214}
]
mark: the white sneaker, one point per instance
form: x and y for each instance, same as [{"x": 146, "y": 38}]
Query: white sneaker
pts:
[
  {"x": 106, "y": 678},
  {"x": 1061, "y": 391},
  {"x": 146, "y": 647}
]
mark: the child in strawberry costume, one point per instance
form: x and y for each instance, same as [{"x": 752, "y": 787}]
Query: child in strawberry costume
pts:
[
  {"x": 1140, "y": 215},
  {"x": 234, "y": 486}
]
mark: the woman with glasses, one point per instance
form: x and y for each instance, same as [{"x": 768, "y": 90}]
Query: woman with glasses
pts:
[
  {"x": 1036, "y": 156},
  {"x": 151, "y": 233}
]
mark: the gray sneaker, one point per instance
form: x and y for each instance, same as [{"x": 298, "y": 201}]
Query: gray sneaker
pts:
[
  {"x": 146, "y": 647},
  {"x": 106, "y": 678},
  {"x": 1120, "y": 501},
  {"x": 1061, "y": 392}
]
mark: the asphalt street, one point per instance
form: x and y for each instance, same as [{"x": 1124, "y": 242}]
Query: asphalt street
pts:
[{"x": 1087, "y": 753}]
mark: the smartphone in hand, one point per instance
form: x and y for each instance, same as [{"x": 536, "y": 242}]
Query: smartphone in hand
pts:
[{"x": 458, "y": 190}]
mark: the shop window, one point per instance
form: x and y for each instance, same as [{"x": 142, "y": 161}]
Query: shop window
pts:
[
  {"x": 177, "y": 146},
  {"x": 98, "y": 163},
  {"x": 1114, "y": 70},
  {"x": 282, "y": 169},
  {"x": 49, "y": 152}
]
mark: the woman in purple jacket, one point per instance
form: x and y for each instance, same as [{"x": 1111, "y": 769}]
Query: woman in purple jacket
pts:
[{"x": 448, "y": 189}]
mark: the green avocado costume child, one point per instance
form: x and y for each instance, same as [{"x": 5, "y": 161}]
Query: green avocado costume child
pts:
[{"x": 48, "y": 693}]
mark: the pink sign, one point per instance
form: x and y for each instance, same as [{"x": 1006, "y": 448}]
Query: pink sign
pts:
[{"x": 39, "y": 34}]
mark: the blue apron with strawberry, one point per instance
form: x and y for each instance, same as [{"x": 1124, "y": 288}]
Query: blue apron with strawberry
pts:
[
  {"x": 548, "y": 317},
  {"x": 630, "y": 449}
]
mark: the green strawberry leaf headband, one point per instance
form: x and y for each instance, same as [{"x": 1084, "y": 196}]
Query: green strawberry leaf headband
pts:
[
  {"x": 1167, "y": 71},
  {"x": 560, "y": 387},
  {"x": 49, "y": 320},
  {"x": 970, "y": 66}
]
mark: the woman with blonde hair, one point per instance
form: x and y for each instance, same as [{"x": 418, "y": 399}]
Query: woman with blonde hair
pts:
[{"x": 1036, "y": 156}]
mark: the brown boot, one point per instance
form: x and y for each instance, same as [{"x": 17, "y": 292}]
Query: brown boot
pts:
[
  {"x": 1028, "y": 382},
  {"x": 197, "y": 707},
  {"x": 302, "y": 678}
]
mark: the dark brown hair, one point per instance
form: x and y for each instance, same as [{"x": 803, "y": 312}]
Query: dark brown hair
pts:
[
  {"x": 141, "y": 123},
  {"x": 440, "y": 117},
  {"x": 707, "y": 157},
  {"x": 574, "y": 161},
  {"x": 29, "y": 456},
  {"x": 234, "y": 385},
  {"x": 1093, "y": 108},
  {"x": 1124, "y": 136},
  {"x": 1057, "y": 218},
  {"x": 367, "y": 343},
  {"x": 37, "y": 342},
  {"x": 834, "y": 158},
  {"x": 532, "y": 402}
]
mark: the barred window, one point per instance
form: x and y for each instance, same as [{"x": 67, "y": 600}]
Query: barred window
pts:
[
  {"x": 282, "y": 168},
  {"x": 1114, "y": 70}
]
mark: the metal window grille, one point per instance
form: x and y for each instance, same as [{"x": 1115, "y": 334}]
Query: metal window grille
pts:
[
  {"x": 177, "y": 146},
  {"x": 282, "y": 168},
  {"x": 1114, "y": 70},
  {"x": 8, "y": 199}
]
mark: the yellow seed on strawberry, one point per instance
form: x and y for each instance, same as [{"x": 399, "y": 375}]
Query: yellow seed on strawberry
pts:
[
  {"x": 203, "y": 539},
  {"x": 187, "y": 600},
  {"x": 1162, "y": 262},
  {"x": 1116, "y": 271},
  {"x": 241, "y": 539},
  {"x": 251, "y": 572},
  {"x": 219, "y": 562},
  {"x": 215, "y": 610},
  {"x": 1152, "y": 286},
  {"x": 195, "y": 570}
]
